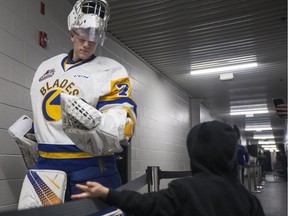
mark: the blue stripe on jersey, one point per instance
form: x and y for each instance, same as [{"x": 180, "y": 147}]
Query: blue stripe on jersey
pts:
[
  {"x": 63, "y": 62},
  {"x": 68, "y": 165},
  {"x": 118, "y": 101},
  {"x": 58, "y": 148}
]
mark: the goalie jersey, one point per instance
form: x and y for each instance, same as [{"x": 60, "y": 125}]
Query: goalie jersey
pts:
[{"x": 99, "y": 81}]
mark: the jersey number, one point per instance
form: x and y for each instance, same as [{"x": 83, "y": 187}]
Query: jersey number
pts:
[{"x": 123, "y": 88}]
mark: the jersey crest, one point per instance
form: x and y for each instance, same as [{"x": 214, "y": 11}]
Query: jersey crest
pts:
[{"x": 51, "y": 107}]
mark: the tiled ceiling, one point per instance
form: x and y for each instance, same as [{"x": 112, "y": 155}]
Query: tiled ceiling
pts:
[{"x": 174, "y": 36}]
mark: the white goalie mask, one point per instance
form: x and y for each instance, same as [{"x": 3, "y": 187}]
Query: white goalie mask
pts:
[{"x": 89, "y": 19}]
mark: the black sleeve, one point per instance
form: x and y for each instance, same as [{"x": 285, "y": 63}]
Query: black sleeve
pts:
[
  {"x": 258, "y": 209},
  {"x": 165, "y": 202}
]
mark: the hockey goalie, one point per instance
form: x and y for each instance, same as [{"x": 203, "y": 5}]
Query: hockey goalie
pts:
[
  {"x": 83, "y": 113},
  {"x": 92, "y": 131}
]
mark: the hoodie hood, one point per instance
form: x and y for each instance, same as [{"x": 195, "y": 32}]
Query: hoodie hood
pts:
[{"x": 212, "y": 148}]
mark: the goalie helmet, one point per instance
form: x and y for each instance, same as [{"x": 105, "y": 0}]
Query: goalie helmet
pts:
[{"x": 89, "y": 19}]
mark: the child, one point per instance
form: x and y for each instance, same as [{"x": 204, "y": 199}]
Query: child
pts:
[{"x": 213, "y": 189}]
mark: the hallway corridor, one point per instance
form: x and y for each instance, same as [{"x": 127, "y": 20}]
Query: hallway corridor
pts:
[{"x": 273, "y": 196}]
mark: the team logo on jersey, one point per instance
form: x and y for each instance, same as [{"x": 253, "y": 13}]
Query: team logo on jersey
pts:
[
  {"x": 51, "y": 106},
  {"x": 48, "y": 73}
]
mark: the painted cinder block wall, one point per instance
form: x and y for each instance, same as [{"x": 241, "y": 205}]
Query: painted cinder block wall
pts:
[{"x": 164, "y": 111}]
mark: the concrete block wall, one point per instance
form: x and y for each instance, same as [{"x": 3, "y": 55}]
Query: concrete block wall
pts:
[
  {"x": 163, "y": 110},
  {"x": 20, "y": 55}
]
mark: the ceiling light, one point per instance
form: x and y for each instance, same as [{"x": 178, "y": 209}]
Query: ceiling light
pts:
[
  {"x": 249, "y": 111},
  {"x": 266, "y": 142},
  {"x": 246, "y": 106},
  {"x": 215, "y": 63},
  {"x": 269, "y": 147},
  {"x": 225, "y": 68},
  {"x": 257, "y": 128},
  {"x": 263, "y": 137}
]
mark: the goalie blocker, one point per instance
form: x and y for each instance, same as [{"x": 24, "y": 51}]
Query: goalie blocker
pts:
[
  {"x": 26, "y": 141},
  {"x": 41, "y": 187},
  {"x": 92, "y": 131}
]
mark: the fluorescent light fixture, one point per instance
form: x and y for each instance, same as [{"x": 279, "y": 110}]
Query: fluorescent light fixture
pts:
[
  {"x": 271, "y": 149},
  {"x": 257, "y": 128},
  {"x": 263, "y": 137},
  {"x": 268, "y": 146},
  {"x": 249, "y": 111},
  {"x": 251, "y": 104},
  {"x": 223, "y": 62},
  {"x": 266, "y": 142},
  {"x": 224, "y": 68}
]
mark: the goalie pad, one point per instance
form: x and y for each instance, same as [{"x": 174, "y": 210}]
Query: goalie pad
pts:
[
  {"x": 92, "y": 131},
  {"x": 25, "y": 141},
  {"x": 42, "y": 188}
]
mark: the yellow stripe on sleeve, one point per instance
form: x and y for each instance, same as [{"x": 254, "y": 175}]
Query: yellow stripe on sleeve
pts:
[{"x": 119, "y": 88}]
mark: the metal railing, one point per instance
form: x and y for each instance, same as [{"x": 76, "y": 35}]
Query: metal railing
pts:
[
  {"x": 151, "y": 178},
  {"x": 254, "y": 177}
]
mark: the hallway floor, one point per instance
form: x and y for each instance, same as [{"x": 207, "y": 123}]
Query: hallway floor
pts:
[{"x": 273, "y": 196}]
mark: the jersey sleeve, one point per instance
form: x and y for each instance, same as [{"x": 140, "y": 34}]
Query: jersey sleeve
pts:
[{"x": 120, "y": 96}]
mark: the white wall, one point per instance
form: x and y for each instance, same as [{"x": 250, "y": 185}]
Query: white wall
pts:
[
  {"x": 195, "y": 110},
  {"x": 207, "y": 115},
  {"x": 163, "y": 110},
  {"x": 20, "y": 22}
]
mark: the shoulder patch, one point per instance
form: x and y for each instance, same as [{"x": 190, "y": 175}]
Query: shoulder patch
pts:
[{"x": 47, "y": 74}]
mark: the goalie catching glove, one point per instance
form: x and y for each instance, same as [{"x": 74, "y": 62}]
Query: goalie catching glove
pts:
[{"x": 91, "y": 130}]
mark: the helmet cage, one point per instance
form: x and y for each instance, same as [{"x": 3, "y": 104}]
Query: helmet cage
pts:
[{"x": 92, "y": 15}]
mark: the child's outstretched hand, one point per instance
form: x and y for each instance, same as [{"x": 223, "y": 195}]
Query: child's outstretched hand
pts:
[{"x": 91, "y": 190}]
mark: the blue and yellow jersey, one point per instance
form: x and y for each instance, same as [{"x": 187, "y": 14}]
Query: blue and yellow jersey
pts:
[{"x": 100, "y": 81}]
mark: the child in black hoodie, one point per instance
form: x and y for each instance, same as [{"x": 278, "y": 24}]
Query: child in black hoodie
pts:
[{"x": 213, "y": 189}]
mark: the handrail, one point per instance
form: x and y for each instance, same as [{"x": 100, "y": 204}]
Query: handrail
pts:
[
  {"x": 254, "y": 175},
  {"x": 151, "y": 178},
  {"x": 89, "y": 206}
]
